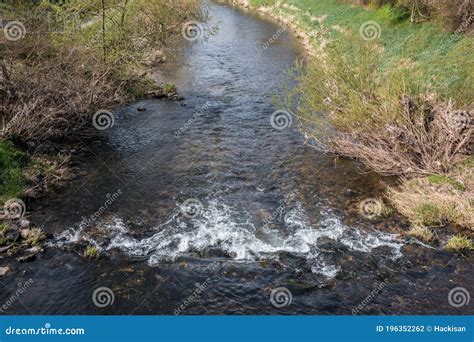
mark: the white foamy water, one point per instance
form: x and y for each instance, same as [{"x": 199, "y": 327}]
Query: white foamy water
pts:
[{"x": 233, "y": 232}]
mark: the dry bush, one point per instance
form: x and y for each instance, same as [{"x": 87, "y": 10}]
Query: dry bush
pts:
[
  {"x": 455, "y": 14},
  {"x": 429, "y": 141},
  {"x": 77, "y": 58},
  {"x": 52, "y": 92}
]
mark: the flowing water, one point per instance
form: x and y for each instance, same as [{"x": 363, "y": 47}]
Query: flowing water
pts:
[{"x": 203, "y": 207}]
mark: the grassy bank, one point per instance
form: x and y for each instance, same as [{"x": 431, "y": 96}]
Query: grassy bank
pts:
[
  {"x": 394, "y": 89},
  {"x": 62, "y": 63}
]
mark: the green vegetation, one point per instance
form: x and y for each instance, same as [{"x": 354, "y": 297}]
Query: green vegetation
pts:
[
  {"x": 429, "y": 214},
  {"x": 422, "y": 233},
  {"x": 72, "y": 59},
  {"x": 436, "y": 201},
  {"x": 78, "y": 57},
  {"x": 91, "y": 252},
  {"x": 439, "y": 179},
  {"x": 12, "y": 162},
  {"x": 35, "y": 235},
  {"x": 3, "y": 229},
  {"x": 459, "y": 243},
  {"x": 391, "y": 85}
]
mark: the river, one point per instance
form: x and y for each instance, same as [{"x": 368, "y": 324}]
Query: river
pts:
[{"x": 202, "y": 206}]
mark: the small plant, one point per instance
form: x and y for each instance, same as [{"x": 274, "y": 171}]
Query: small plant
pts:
[
  {"x": 422, "y": 233},
  {"x": 429, "y": 214},
  {"x": 439, "y": 180},
  {"x": 91, "y": 252},
  {"x": 35, "y": 236},
  {"x": 169, "y": 89},
  {"x": 459, "y": 243},
  {"x": 3, "y": 229}
]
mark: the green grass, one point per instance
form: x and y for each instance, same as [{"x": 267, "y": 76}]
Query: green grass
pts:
[
  {"x": 12, "y": 162},
  {"x": 438, "y": 180},
  {"x": 459, "y": 243},
  {"x": 262, "y": 2},
  {"x": 3, "y": 229},
  {"x": 429, "y": 214},
  {"x": 91, "y": 252},
  {"x": 444, "y": 63}
]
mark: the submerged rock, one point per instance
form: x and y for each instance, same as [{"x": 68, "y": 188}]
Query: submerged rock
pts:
[
  {"x": 26, "y": 258},
  {"x": 34, "y": 250},
  {"x": 4, "y": 271}
]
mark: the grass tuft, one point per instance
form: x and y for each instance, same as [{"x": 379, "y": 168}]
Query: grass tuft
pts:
[
  {"x": 91, "y": 252},
  {"x": 459, "y": 243},
  {"x": 422, "y": 233}
]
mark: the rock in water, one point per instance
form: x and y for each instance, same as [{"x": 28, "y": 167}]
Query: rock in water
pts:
[
  {"x": 4, "y": 270},
  {"x": 141, "y": 109}
]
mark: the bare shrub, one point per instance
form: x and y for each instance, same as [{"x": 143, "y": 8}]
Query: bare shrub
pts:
[
  {"x": 381, "y": 117},
  {"x": 52, "y": 93},
  {"x": 428, "y": 141},
  {"x": 77, "y": 58}
]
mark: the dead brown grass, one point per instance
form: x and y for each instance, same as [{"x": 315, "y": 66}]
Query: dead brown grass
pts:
[
  {"x": 428, "y": 141},
  {"x": 426, "y": 203}
]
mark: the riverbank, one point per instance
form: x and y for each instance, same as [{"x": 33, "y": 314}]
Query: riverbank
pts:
[
  {"x": 64, "y": 69},
  {"x": 398, "y": 89}
]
